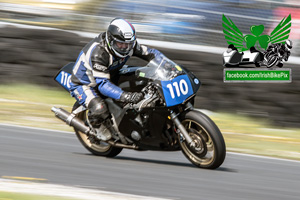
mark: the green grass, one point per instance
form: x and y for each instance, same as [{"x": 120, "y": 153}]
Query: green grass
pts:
[
  {"x": 30, "y": 105},
  {"x": 20, "y": 196},
  {"x": 258, "y": 136},
  {"x": 36, "y": 94}
]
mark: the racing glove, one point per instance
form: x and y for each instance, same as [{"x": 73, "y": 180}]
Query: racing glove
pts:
[{"x": 131, "y": 97}]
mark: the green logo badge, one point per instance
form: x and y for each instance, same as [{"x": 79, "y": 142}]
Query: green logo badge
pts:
[{"x": 244, "y": 42}]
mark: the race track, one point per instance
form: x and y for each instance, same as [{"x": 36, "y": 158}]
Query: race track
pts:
[{"x": 60, "y": 158}]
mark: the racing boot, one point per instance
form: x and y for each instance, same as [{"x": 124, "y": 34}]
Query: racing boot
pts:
[{"x": 103, "y": 132}]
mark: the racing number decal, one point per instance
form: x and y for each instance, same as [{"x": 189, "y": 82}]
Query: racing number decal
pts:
[
  {"x": 65, "y": 79},
  {"x": 64, "y": 76},
  {"x": 181, "y": 89},
  {"x": 177, "y": 90}
]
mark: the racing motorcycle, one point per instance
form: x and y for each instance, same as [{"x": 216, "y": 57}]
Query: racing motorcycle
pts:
[
  {"x": 273, "y": 58},
  {"x": 164, "y": 120}
]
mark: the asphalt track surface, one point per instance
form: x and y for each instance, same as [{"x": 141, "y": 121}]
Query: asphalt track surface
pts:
[{"x": 60, "y": 158}]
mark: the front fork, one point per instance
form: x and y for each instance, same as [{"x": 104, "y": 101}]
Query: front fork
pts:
[{"x": 178, "y": 124}]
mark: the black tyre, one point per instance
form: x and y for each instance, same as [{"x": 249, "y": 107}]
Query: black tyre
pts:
[
  {"x": 91, "y": 143},
  {"x": 210, "y": 150}
]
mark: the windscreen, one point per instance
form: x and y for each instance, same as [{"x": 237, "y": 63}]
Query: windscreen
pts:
[{"x": 160, "y": 68}]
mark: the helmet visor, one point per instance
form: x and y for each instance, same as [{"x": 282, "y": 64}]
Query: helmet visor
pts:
[
  {"x": 122, "y": 47},
  {"x": 288, "y": 47}
]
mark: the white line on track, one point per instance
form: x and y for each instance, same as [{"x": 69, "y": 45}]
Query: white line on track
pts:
[
  {"x": 17, "y": 186},
  {"x": 35, "y": 128},
  {"x": 263, "y": 157}
]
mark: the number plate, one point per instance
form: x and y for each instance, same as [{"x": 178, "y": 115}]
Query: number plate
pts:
[
  {"x": 177, "y": 90},
  {"x": 64, "y": 76},
  {"x": 64, "y": 79}
]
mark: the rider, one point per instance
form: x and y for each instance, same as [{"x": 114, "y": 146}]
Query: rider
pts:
[
  {"x": 231, "y": 47},
  {"x": 97, "y": 67},
  {"x": 282, "y": 49}
]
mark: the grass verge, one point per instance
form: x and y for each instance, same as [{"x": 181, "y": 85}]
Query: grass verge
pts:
[
  {"x": 30, "y": 105},
  {"x": 18, "y": 196}
]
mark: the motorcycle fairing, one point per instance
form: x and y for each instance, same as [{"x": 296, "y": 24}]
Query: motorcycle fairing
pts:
[
  {"x": 177, "y": 90},
  {"x": 196, "y": 83},
  {"x": 63, "y": 77}
]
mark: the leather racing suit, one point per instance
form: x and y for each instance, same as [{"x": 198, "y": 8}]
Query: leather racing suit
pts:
[{"x": 95, "y": 69}]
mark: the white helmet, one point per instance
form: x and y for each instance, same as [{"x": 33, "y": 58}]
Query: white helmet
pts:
[
  {"x": 120, "y": 37},
  {"x": 288, "y": 44}
]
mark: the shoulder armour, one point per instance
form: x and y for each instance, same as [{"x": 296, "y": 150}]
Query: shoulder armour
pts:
[{"x": 100, "y": 58}]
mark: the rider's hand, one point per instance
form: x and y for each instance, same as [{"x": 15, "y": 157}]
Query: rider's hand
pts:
[{"x": 131, "y": 97}]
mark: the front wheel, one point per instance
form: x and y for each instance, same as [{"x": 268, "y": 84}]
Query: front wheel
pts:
[
  {"x": 91, "y": 143},
  {"x": 209, "y": 151},
  {"x": 271, "y": 59}
]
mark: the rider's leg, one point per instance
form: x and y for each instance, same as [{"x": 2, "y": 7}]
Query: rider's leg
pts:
[{"x": 98, "y": 111}]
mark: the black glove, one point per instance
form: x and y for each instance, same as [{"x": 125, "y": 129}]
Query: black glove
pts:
[{"x": 131, "y": 97}]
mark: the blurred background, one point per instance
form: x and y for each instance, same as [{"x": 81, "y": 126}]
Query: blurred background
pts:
[
  {"x": 190, "y": 21},
  {"x": 38, "y": 37}
]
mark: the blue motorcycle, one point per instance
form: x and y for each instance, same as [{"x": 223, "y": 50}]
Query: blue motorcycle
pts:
[{"x": 164, "y": 120}]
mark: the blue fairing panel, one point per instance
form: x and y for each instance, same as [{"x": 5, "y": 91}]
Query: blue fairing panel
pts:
[
  {"x": 177, "y": 90},
  {"x": 64, "y": 76}
]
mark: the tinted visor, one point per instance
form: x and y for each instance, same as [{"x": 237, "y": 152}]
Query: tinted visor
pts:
[{"x": 122, "y": 47}]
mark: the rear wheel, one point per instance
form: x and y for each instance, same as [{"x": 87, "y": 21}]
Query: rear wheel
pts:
[
  {"x": 93, "y": 144},
  {"x": 209, "y": 151}
]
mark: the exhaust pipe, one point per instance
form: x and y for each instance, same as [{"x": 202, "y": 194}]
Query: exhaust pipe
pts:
[
  {"x": 71, "y": 119},
  {"x": 123, "y": 145}
]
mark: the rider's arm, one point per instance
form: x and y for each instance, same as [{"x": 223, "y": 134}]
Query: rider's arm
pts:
[
  {"x": 100, "y": 61},
  {"x": 145, "y": 52}
]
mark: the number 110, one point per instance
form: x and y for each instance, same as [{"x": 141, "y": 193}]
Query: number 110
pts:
[{"x": 182, "y": 88}]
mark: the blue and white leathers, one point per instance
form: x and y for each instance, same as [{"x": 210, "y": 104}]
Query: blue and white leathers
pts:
[{"x": 96, "y": 68}]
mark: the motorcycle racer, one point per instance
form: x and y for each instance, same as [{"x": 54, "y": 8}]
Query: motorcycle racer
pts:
[
  {"x": 283, "y": 49},
  {"x": 96, "y": 70}
]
